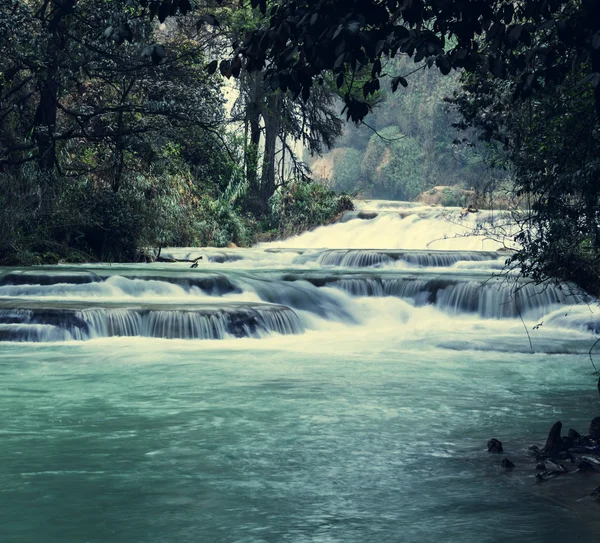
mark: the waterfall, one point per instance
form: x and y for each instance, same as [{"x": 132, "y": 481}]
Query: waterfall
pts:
[
  {"x": 47, "y": 323},
  {"x": 385, "y": 251}
]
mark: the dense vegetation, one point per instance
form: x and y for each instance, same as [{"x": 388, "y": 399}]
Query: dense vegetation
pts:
[
  {"x": 551, "y": 140},
  {"x": 115, "y": 138},
  {"x": 410, "y": 145}
]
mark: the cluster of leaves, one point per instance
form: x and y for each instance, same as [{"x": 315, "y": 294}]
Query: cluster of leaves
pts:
[
  {"x": 301, "y": 40},
  {"x": 551, "y": 140},
  {"x": 415, "y": 147},
  {"x": 302, "y": 206}
]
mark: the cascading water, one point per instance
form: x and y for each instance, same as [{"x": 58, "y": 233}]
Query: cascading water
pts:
[{"x": 336, "y": 386}]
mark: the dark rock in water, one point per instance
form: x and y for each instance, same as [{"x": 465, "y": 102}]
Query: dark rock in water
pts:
[
  {"x": 66, "y": 319},
  {"x": 494, "y": 446},
  {"x": 566, "y": 442},
  {"x": 533, "y": 450},
  {"x": 50, "y": 278},
  {"x": 46, "y": 323},
  {"x": 584, "y": 445},
  {"x": 540, "y": 466},
  {"x": 507, "y": 464},
  {"x": 545, "y": 475},
  {"x": 585, "y": 467},
  {"x": 553, "y": 442},
  {"x": 595, "y": 428},
  {"x": 566, "y": 455},
  {"x": 243, "y": 325},
  {"x": 15, "y": 318},
  {"x": 574, "y": 436},
  {"x": 595, "y": 494},
  {"x": 224, "y": 257},
  {"x": 367, "y": 215}
]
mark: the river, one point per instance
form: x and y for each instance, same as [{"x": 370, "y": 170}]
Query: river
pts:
[{"x": 339, "y": 386}]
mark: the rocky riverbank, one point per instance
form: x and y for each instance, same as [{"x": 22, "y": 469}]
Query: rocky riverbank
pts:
[{"x": 560, "y": 456}]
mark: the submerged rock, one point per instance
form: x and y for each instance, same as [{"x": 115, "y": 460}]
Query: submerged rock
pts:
[
  {"x": 48, "y": 278},
  {"x": 554, "y": 443},
  {"x": 585, "y": 467},
  {"x": 224, "y": 257},
  {"x": 43, "y": 322},
  {"x": 494, "y": 446},
  {"x": 534, "y": 450},
  {"x": 574, "y": 437},
  {"x": 545, "y": 475},
  {"x": 367, "y": 215},
  {"x": 566, "y": 455},
  {"x": 507, "y": 464},
  {"x": 594, "y": 430}
]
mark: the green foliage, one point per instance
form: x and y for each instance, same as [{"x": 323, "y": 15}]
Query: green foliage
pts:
[
  {"x": 347, "y": 175},
  {"x": 415, "y": 146},
  {"x": 302, "y": 206},
  {"x": 220, "y": 224},
  {"x": 551, "y": 142},
  {"x": 452, "y": 197},
  {"x": 114, "y": 136},
  {"x": 345, "y": 36},
  {"x": 394, "y": 165}
]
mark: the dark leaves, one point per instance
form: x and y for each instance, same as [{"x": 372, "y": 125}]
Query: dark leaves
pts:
[
  {"x": 236, "y": 66},
  {"x": 225, "y": 68},
  {"x": 120, "y": 34},
  {"x": 158, "y": 54},
  {"x": 261, "y": 4},
  {"x": 444, "y": 64},
  {"x": 376, "y": 68},
  {"x": 371, "y": 87},
  {"x": 496, "y": 67},
  {"x": 355, "y": 110},
  {"x": 167, "y": 8},
  {"x": 209, "y": 20},
  {"x": 399, "y": 81},
  {"x": 184, "y": 7},
  {"x": 155, "y": 52},
  {"x": 164, "y": 10},
  {"x": 305, "y": 93},
  {"x": 212, "y": 67}
]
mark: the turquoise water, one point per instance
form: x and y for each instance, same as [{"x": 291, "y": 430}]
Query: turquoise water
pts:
[{"x": 371, "y": 426}]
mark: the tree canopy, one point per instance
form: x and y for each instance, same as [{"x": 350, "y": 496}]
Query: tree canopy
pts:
[{"x": 300, "y": 40}]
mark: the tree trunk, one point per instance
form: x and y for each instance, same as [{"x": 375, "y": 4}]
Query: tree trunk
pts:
[
  {"x": 272, "y": 127},
  {"x": 46, "y": 113},
  {"x": 252, "y": 152},
  {"x": 45, "y": 120}
]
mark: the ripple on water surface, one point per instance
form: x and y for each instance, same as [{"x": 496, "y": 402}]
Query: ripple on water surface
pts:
[{"x": 368, "y": 422}]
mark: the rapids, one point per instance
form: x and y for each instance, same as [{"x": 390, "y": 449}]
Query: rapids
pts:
[{"x": 337, "y": 386}]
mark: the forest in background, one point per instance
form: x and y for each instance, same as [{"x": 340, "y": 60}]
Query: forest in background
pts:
[{"x": 410, "y": 144}]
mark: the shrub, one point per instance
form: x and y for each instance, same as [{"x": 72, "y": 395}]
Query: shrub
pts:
[{"x": 302, "y": 206}]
